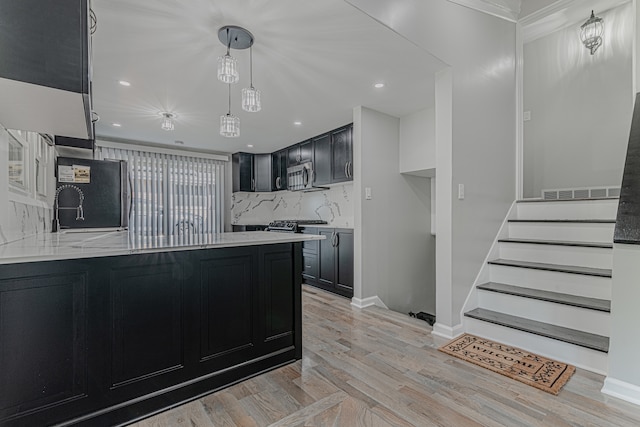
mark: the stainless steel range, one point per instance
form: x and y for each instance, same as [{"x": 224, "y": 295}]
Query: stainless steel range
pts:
[{"x": 292, "y": 225}]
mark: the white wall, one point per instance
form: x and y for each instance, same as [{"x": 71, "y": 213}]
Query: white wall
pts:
[
  {"x": 481, "y": 52},
  {"x": 397, "y": 251},
  {"x": 580, "y": 106},
  {"x": 418, "y": 143}
]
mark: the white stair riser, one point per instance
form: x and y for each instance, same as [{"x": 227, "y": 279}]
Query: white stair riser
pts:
[
  {"x": 572, "y": 284},
  {"x": 581, "y": 357},
  {"x": 553, "y": 254},
  {"x": 579, "y": 209},
  {"x": 575, "y": 232},
  {"x": 592, "y": 321}
]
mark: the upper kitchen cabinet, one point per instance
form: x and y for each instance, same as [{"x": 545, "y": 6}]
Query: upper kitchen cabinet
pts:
[
  {"x": 322, "y": 157},
  {"x": 279, "y": 170},
  {"x": 300, "y": 153},
  {"x": 342, "y": 154},
  {"x": 45, "y": 68},
  {"x": 251, "y": 172}
]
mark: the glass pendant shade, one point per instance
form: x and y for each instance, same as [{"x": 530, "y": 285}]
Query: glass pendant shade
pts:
[
  {"x": 229, "y": 126},
  {"x": 228, "y": 69},
  {"x": 251, "y": 99},
  {"x": 591, "y": 33},
  {"x": 167, "y": 122}
]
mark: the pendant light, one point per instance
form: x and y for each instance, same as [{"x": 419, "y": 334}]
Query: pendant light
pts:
[
  {"x": 229, "y": 124},
  {"x": 227, "y": 65},
  {"x": 591, "y": 33},
  {"x": 250, "y": 95}
]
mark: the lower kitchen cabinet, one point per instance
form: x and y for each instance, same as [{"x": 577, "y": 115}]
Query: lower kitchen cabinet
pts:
[
  {"x": 106, "y": 340},
  {"x": 330, "y": 266}
]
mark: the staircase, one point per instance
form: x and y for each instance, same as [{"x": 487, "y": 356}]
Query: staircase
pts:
[{"x": 547, "y": 283}]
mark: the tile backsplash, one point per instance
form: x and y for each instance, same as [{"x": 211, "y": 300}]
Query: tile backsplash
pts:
[
  {"x": 21, "y": 220},
  {"x": 334, "y": 205}
]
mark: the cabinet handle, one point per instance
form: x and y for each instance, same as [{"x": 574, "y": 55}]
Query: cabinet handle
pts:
[
  {"x": 278, "y": 183},
  {"x": 346, "y": 169},
  {"x": 253, "y": 184},
  {"x": 337, "y": 240}
]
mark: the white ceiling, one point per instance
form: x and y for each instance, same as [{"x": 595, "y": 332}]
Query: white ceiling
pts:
[{"x": 313, "y": 61}]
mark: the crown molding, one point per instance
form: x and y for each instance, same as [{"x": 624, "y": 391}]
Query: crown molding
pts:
[
  {"x": 560, "y": 15},
  {"x": 505, "y": 9}
]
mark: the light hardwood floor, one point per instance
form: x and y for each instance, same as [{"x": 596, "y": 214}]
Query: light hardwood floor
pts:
[{"x": 374, "y": 367}]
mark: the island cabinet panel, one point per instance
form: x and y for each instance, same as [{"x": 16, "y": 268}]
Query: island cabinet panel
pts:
[
  {"x": 278, "y": 293},
  {"x": 43, "y": 341},
  {"x": 146, "y": 305},
  {"x": 107, "y": 340},
  {"x": 227, "y": 295}
]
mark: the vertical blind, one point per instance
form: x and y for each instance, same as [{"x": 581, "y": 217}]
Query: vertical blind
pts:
[{"x": 172, "y": 195}]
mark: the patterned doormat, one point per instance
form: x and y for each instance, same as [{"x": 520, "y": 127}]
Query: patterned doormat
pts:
[{"x": 537, "y": 371}]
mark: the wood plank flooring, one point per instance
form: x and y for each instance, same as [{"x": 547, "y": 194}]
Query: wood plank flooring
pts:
[{"x": 378, "y": 368}]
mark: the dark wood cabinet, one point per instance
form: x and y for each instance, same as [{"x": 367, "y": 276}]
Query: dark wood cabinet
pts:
[
  {"x": 262, "y": 172},
  {"x": 310, "y": 255},
  {"x": 242, "y": 172},
  {"x": 323, "y": 162},
  {"x": 45, "y": 44},
  {"x": 251, "y": 172},
  {"x": 44, "y": 340},
  {"x": 110, "y": 339},
  {"x": 330, "y": 266},
  {"x": 300, "y": 153},
  {"x": 279, "y": 170},
  {"x": 342, "y": 154}
]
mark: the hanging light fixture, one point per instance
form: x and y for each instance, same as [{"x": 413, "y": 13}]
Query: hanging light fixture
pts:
[
  {"x": 591, "y": 33},
  {"x": 167, "y": 121},
  {"x": 229, "y": 124},
  {"x": 251, "y": 95},
  {"x": 227, "y": 65}
]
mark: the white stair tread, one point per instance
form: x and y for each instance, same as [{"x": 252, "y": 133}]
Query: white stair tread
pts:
[{"x": 559, "y": 243}]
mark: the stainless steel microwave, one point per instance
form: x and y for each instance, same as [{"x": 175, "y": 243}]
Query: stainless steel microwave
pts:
[{"x": 300, "y": 177}]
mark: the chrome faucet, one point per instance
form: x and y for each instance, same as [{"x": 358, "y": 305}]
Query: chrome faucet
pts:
[{"x": 79, "y": 210}]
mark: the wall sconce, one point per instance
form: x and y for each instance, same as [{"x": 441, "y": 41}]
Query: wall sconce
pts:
[{"x": 591, "y": 33}]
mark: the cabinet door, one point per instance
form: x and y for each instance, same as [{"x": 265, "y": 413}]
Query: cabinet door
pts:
[
  {"x": 43, "y": 342},
  {"x": 306, "y": 151},
  {"x": 344, "y": 262},
  {"x": 293, "y": 155},
  {"x": 242, "y": 170},
  {"x": 326, "y": 259},
  {"x": 322, "y": 164},
  {"x": 342, "y": 148},
  {"x": 279, "y": 170},
  {"x": 262, "y": 172}
]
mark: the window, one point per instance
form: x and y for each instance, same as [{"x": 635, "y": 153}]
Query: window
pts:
[
  {"x": 17, "y": 164},
  {"x": 172, "y": 194}
]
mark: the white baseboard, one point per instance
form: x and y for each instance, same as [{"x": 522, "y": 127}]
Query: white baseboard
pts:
[
  {"x": 621, "y": 390},
  {"x": 447, "y": 331},
  {"x": 368, "y": 302}
]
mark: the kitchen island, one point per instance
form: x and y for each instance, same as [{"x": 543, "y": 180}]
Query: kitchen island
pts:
[{"x": 105, "y": 328}]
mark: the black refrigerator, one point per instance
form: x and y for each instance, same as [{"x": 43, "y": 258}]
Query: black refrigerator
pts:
[{"x": 91, "y": 194}]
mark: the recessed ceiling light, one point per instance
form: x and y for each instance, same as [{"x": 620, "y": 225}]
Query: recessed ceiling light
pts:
[
  {"x": 124, "y": 83},
  {"x": 117, "y": 125},
  {"x": 250, "y": 145},
  {"x": 297, "y": 123},
  {"x": 378, "y": 85}
]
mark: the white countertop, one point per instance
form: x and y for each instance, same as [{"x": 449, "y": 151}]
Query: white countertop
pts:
[{"x": 66, "y": 245}]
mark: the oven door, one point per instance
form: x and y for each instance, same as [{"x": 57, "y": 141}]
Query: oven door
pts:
[{"x": 300, "y": 177}]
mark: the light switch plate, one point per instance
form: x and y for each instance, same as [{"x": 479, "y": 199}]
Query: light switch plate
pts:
[
  {"x": 526, "y": 116},
  {"x": 367, "y": 193},
  {"x": 460, "y": 191}
]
